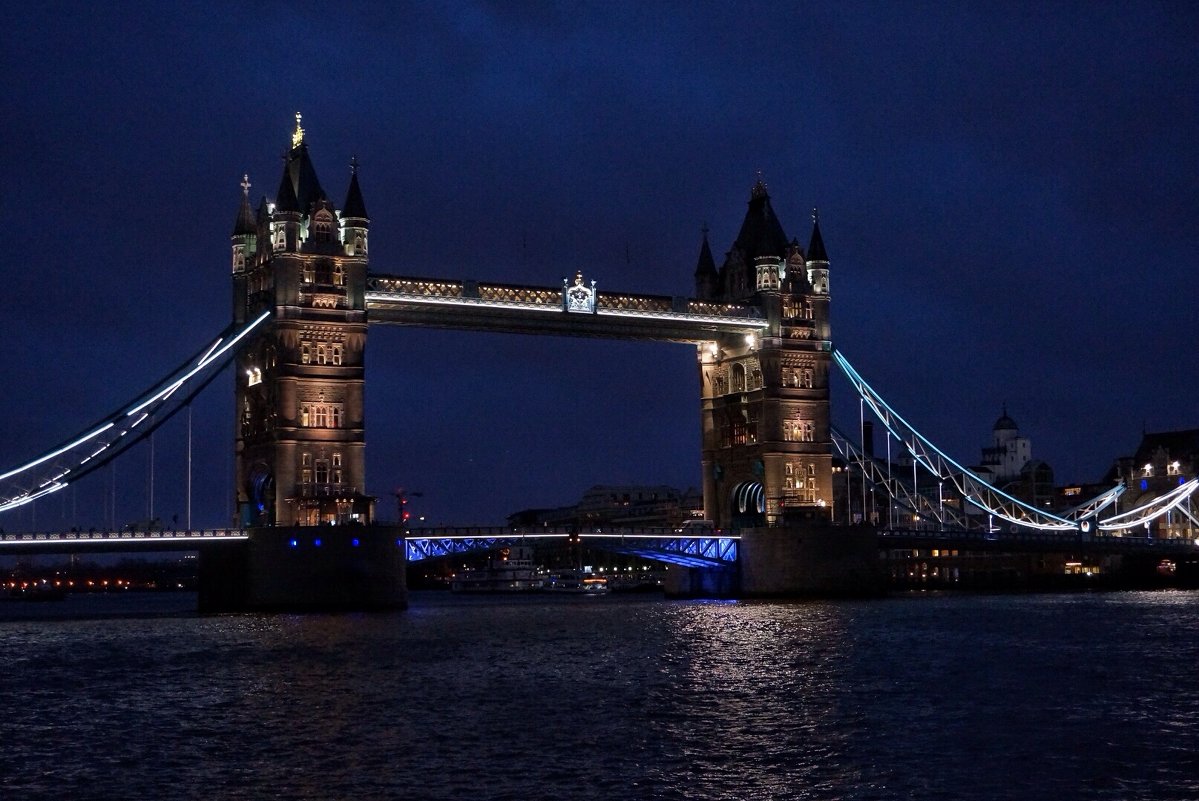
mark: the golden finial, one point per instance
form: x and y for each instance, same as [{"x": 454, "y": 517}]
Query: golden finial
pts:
[
  {"x": 297, "y": 136},
  {"x": 245, "y": 184}
]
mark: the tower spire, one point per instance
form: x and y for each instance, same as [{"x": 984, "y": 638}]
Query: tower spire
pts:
[{"x": 297, "y": 136}]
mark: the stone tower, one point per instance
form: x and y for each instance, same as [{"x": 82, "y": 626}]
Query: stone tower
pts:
[
  {"x": 299, "y": 432},
  {"x": 767, "y": 452}
]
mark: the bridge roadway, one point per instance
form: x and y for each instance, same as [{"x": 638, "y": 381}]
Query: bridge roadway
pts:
[
  {"x": 1033, "y": 541},
  {"x": 693, "y": 548},
  {"x": 700, "y": 548}
]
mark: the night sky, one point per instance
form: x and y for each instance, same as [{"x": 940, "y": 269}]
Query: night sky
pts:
[{"x": 1007, "y": 193}]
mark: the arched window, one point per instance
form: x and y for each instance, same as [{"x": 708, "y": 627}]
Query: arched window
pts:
[{"x": 737, "y": 377}]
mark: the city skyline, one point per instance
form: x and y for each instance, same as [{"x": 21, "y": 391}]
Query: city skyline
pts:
[{"x": 1007, "y": 208}]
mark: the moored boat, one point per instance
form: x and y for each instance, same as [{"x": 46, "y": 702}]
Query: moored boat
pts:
[{"x": 512, "y": 570}]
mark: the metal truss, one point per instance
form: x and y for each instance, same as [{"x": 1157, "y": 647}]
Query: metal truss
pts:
[
  {"x": 973, "y": 489},
  {"x": 662, "y": 545},
  {"x": 105, "y": 440},
  {"x": 909, "y": 499},
  {"x": 1177, "y": 498}
]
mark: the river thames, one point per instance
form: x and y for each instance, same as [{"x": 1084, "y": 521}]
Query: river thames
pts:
[{"x": 1086, "y": 696}]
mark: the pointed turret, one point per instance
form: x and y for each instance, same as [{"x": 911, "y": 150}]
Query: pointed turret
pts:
[
  {"x": 355, "y": 223},
  {"x": 354, "y": 206},
  {"x": 761, "y": 234},
  {"x": 706, "y": 277},
  {"x": 245, "y": 216},
  {"x": 816, "y": 244},
  {"x": 817, "y": 258},
  {"x": 245, "y": 229}
]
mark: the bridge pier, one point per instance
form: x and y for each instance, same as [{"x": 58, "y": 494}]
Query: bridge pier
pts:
[
  {"x": 701, "y": 582},
  {"x": 809, "y": 560},
  {"x": 306, "y": 569}
]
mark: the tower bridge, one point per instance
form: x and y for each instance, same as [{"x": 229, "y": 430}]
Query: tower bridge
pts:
[{"x": 304, "y": 298}]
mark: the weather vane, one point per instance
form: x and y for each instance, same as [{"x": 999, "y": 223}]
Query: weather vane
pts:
[{"x": 245, "y": 184}]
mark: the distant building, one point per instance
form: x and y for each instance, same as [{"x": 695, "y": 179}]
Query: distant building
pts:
[
  {"x": 1160, "y": 463},
  {"x": 632, "y": 506},
  {"x": 1007, "y": 463}
]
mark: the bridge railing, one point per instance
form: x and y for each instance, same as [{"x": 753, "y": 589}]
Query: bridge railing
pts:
[
  {"x": 688, "y": 548},
  {"x": 99, "y": 537},
  {"x": 516, "y": 295}
]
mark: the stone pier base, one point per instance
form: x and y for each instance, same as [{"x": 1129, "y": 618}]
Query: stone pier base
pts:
[
  {"x": 306, "y": 569},
  {"x": 810, "y": 560}
]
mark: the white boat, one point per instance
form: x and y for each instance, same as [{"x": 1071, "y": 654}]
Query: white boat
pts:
[
  {"x": 576, "y": 582},
  {"x": 512, "y": 570}
]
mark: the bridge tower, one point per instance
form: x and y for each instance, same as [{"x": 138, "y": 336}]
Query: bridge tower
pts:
[
  {"x": 767, "y": 451},
  {"x": 300, "y": 440}
]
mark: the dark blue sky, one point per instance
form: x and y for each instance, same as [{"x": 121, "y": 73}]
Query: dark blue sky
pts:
[{"x": 1007, "y": 193}]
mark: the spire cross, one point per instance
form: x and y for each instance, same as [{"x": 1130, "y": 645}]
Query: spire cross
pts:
[
  {"x": 354, "y": 165},
  {"x": 815, "y": 216},
  {"x": 245, "y": 184},
  {"x": 297, "y": 136}
]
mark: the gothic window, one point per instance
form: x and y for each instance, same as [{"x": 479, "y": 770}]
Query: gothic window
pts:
[
  {"x": 801, "y": 479},
  {"x": 305, "y": 353},
  {"x": 322, "y": 226},
  {"x": 322, "y": 353},
  {"x": 798, "y": 430},
  {"x": 336, "y": 472},
  {"x": 738, "y": 377},
  {"x": 339, "y": 275},
  {"x": 306, "y": 460},
  {"x": 321, "y": 415},
  {"x": 309, "y": 274},
  {"x": 805, "y": 377},
  {"x": 322, "y": 471},
  {"x": 335, "y": 354},
  {"x": 755, "y": 379}
]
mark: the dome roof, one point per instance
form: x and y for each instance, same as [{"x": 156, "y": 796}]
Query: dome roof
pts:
[{"x": 1005, "y": 423}]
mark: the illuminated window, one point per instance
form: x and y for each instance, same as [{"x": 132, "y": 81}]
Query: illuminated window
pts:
[
  {"x": 797, "y": 430},
  {"x": 335, "y": 354},
  {"x": 1172, "y": 469},
  {"x": 800, "y": 478},
  {"x": 321, "y": 415},
  {"x": 336, "y": 473},
  {"x": 305, "y": 352},
  {"x": 339, "y": 275},
  {"x": 309, "y": 274},
  {"x": 737, "y": 377},
  {"x": 322, "y": 471},
  {"x": 1147, "y": 470}
]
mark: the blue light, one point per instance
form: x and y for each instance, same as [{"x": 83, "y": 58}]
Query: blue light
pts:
[
  {"x": 294, "y": 543},
  {"x": 400, "y": 543},
  {"x": 317, "y": 543},
  {"x": 1144, "y": 484},
  {"x": 354, "y": 542},
  {"x": 1181, "y": 480}
]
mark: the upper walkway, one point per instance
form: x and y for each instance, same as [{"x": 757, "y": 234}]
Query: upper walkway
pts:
[{"x": 569, "y": 310}]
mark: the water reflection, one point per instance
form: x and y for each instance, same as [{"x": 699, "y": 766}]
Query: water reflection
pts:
[{"x": 956, "y": 697}]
